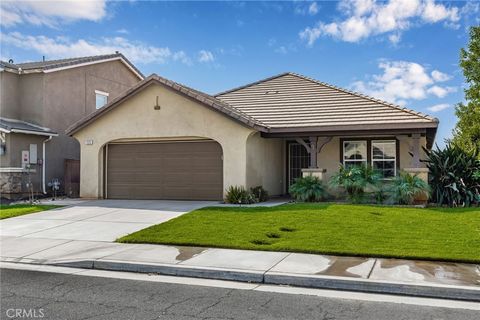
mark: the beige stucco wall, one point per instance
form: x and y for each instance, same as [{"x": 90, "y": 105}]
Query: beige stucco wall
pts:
[
  {"x": 329, "y": 157},
  {"x": 9, "y": 105},
  {"x": 179, "y": 117},
  {"x": 266, "y": 163}
]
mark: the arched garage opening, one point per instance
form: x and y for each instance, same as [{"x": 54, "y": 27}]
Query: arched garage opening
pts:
[{"x": 167, "y": 170}]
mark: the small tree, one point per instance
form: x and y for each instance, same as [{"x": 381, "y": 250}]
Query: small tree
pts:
[{"x": 467, "y": 130}]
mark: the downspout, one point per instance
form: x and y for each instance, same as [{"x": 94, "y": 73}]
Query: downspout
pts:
[{"x": 44, "y": 189}]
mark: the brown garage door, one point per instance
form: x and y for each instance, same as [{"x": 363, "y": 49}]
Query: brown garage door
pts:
[{"x": 173, "y": 170}]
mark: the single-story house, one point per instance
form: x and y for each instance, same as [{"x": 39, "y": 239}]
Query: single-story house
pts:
[{"x": 164, "y": 140}]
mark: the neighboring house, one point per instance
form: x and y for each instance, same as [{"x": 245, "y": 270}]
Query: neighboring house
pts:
[
  {"x": 39, "y": 100},
  {"x": 163, "y": 140}
]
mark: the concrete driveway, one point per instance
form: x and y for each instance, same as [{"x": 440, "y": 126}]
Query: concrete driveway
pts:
[{"x": 99, "y": 220}]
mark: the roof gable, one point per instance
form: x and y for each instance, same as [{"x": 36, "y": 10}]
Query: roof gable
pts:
[{"x": 200, "y": 97}]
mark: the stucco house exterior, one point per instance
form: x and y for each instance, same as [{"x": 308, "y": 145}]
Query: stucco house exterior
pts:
[
  {"x": 163, "y": 140},
  {"x": 39, "y": 100}
]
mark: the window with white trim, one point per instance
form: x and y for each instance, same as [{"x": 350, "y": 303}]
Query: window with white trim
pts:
[
  {"x": 354, "y": 153},
  {"x": 384, "y": 157},
  {"x": 101, "y": 98}
]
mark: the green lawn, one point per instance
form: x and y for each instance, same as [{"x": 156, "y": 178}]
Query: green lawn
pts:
[
  {"x": 21, "y": 209},
  {"x": 354, "y": 230}
]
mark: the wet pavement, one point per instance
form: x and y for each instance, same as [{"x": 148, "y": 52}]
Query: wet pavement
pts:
[{"x": 54, "y": 251}]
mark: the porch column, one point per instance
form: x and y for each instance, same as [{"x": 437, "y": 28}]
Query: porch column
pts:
[
  {"x": 313, "y": 152},
  {"x": 416, "y": 150}
]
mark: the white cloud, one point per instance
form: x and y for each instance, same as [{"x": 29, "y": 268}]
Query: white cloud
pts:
[
  {"x": 365, "y": 18},
  {"x": 304, "y": 8},
  {"x": 59, "y": 47},
  {"x": 401, "y": 81},
  {"x": 182, "y": 57},
  {"x": 433, "y": 12},
  {"x": 123, "y": 31},
  {"x": 440, "y": 76},
  {"x": 394, "y": 38},
  {"x": 50, "y": 13},
  {"x": 205, "y": 56},
  {"x": 439, "y": 107},
  {"x": 440, "y": 92},
  {"x": 313, "y": 9}
]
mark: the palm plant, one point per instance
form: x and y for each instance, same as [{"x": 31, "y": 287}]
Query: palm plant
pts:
[
  {"x": 355, "y": 180},
  {"x": 405, "y": 188},
  {"x": 308, "y": 189},
  {"x": 453, "y": 175}
]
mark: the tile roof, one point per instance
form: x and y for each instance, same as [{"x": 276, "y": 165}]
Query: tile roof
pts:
[
  {"x": 19, "y": 126},
  {"x": 61, "y": 63},
  {"x": 292, "y": 103},
  {"x": 291, "y": 100}
]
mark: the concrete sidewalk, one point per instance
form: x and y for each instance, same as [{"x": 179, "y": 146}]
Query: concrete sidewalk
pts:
[{"x": 417, "y": 278}]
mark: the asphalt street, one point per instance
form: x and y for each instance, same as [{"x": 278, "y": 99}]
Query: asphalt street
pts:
[{"x": 42, "y": 295}]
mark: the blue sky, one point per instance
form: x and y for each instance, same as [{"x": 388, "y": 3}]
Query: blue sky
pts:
[{"x": 402, "y": 51}]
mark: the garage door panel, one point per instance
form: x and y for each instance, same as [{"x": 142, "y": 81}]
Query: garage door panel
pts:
[{"x": 174, "y": 170}]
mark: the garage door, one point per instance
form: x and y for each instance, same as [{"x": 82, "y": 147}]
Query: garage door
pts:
[{"x": 174, "y": 170}]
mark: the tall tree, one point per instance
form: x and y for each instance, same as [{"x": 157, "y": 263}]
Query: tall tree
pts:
[{"x": 467, "y": 131}]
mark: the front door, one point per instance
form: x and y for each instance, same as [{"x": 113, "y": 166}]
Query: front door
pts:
[{"x": 298, "y": 159}]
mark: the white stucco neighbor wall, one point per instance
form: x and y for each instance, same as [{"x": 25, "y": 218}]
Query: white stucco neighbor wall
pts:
[
  {"x": 266, "y": 163},
  {"x": 179, "y": 117}
]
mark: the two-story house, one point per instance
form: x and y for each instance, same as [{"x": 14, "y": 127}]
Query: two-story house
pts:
[{"x": 39, "y": 100}]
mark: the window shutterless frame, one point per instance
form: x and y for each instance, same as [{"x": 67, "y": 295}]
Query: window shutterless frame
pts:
[
  {"x": 365, "y": 160},
  {"x": 394, "y": 160},
  {"x": 369, "y": 147}
]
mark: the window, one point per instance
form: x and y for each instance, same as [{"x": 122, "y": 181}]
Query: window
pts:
[
  {"x": 101, "y": 98},
  {"x": 298, "y": 159},
  {"x": 384, "y": 157},
  {"x": 354, "y": 153}
]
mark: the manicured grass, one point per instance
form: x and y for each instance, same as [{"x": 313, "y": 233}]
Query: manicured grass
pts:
[
  {"x": 354, "y": 230},
  {"x": 21, "y": 209}
]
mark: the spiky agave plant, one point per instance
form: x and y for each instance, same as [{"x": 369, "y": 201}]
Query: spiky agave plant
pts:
[
  {"x": 406, "y": 187},
  {"x": 453, "y": 175}
]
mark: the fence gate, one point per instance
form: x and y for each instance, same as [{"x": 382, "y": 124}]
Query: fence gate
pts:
[{"x": 72, "y": 178}]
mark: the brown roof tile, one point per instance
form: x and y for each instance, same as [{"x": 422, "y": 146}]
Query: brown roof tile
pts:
[{"x": 290, "y": 100}]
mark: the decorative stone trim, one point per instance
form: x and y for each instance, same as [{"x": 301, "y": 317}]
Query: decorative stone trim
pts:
[{"x": 314, "y": 172}]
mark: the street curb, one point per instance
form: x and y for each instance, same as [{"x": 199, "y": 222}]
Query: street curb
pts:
[
  {"x": 373, "y": 286},
  {"x": 179, "y": 270},
  {"x": 451, "y": 292}
]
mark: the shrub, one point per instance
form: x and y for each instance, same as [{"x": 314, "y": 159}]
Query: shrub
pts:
[
  {"x": 406, "y": 187},
  {"x": 239, "y": 195},
  {"x": 354, "y": 180},
  {"x": 259, "y": 194},
  {"x": 454, "y": 175},
  {"x": 308, "y": 189}
]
